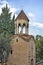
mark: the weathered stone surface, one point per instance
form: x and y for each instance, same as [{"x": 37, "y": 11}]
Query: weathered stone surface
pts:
[{"x": 22, "y": 50}]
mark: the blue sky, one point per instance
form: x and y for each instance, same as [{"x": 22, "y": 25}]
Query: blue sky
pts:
[{"x": 32, "y": 8}]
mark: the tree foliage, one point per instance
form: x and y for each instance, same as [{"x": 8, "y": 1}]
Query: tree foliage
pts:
[
  {"x": 6, "y": 30},
  {"x": 4, "y": 45},
  {"x": 39, "y": 48},
  {"x": 6, "y": 22}
]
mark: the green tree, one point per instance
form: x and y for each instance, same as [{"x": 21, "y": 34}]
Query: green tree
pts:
[
  {"x": 6, "y": 30},
  {"x": 5, "y": 45},
  {"x": 13, "y": 25},
  {"x": 7, "y": 25},
  {"x": 39, "y": 48}
]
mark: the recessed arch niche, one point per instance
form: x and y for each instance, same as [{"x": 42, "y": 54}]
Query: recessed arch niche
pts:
[
  {"x": 24, "y": 28},
  {"x": 19, "y": 27}
]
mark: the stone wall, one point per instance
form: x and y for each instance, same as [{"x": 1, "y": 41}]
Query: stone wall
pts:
[{"x": 22, "y": 52}]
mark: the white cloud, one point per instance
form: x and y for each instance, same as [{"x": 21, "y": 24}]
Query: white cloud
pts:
[
  {"x": 3, "y": 4},
  {"x": 15, "y": 16},
  {"x": 13, "y": 10},
  {"x": 31, "y": 16},
  {"x": 36, "y": 24}
]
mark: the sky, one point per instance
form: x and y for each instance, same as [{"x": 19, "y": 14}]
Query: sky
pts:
[{"x": 32, "y": 8}]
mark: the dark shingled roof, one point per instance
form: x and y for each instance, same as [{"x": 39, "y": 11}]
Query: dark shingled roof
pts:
[{"x": 22, "y": 15}]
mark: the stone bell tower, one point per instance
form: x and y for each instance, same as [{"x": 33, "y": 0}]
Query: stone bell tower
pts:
[
  {"x": 21, "y": 23},
  {"x": 23, "y": 44}
]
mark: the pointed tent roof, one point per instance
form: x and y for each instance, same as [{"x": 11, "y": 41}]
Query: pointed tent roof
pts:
[{"x": 22, "y": 15}]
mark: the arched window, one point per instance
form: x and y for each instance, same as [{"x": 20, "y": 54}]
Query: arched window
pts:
[
  {"x": 31, "y": 61},
  {"x": 24, "y": 28},
  {"x": 11, "y": 51},
  {"x": 19, "y": 28}
]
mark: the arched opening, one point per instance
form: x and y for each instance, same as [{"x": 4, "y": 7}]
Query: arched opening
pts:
[
  {"x": 11, "y": 51},
  {"x": 24, "y": 28},
  {"x": 19, "y": 28},
  {"x": 31, "y": 61}
]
